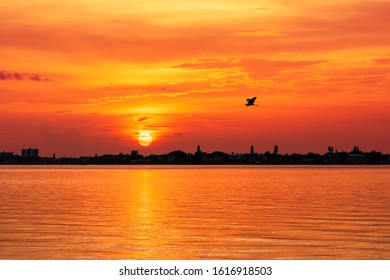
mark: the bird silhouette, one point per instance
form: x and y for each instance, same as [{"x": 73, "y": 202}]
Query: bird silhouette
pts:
[{"x": 251, "y": 101}]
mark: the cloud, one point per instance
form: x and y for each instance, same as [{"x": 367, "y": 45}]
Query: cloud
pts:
[
  {"x": 382, "y": 61},
  {"x": 143, "y": 118},
  {"x": 256, "y": 68},
  {"x": 5, "y": 75},
  {"x": 206, "y": 64},
  {"x": 314, "y": 29},
  {"x": 264, "y": 33},
  {"x": 116, "y": 99}
]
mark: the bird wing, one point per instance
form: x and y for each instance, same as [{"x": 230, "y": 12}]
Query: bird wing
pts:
[{"x": 251, "y": 100}]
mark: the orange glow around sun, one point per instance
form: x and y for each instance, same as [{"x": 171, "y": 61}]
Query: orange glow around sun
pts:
[{"x": 78, "y": 77}]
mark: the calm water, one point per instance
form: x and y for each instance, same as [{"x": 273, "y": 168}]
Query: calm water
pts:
[{"x": 186, "y": 212}]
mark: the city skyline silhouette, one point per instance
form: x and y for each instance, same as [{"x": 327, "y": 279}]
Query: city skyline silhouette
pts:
[{"x": 332, "y": 156}]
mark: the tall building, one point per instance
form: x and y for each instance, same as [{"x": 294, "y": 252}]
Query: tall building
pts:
[
  {"x": 6, "y": 154},
  {"x": 276, "y": 149},
  {"x": 30, "y": 153}
]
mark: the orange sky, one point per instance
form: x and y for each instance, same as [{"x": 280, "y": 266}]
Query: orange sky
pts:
[{"x": 80, "y": 77}]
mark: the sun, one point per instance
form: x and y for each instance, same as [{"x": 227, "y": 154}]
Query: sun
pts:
[{"x": 144, "y": 139}]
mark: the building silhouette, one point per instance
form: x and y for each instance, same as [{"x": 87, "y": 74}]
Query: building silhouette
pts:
[
  {"x": 6, "y": 154},
  {"x": 30, "y": 153},
  {"x": 276, "y": 150}
]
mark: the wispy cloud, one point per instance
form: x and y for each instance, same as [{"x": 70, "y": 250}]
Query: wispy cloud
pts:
[
  {"x": 117, "y": 99},
  {"x": 382, "y": 61},
  {"x": 5, "y": 75},
  {"x": 261, "y": 67},
  {"x": 264, "y": 33},
  {"x": 143, "y": 118}
]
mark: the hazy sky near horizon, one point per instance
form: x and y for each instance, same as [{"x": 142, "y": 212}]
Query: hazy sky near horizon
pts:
[{"x": 80, "y": 77}]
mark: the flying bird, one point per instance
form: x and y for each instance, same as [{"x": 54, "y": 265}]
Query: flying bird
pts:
[{"x": 251, "y": 101}]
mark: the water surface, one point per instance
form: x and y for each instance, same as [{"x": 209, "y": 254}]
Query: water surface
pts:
[{"x": 195, "y": 212}]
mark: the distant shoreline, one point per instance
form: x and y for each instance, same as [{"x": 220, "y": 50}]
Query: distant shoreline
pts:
[
  {"x": 355, "y": 157},
  {"x": 178, "y": 157}
]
